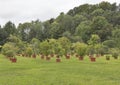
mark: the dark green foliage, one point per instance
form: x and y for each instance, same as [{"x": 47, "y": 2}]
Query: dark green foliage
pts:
[
  {"x": 101, "y": 27},
  {"x": 24, "y": 30},
  {"x": 110, "y": 43},
  {"x": 3, "y": 36},
  {"x": 10, "y": 28},
  {"x": 84, "y": 30},
  {"x": 77, "y": 25}
]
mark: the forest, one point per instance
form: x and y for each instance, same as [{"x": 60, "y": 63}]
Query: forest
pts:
[{"x": 86, "y": 29}]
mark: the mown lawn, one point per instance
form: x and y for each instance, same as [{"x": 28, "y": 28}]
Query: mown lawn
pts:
[{"x": 29, "y": 71}]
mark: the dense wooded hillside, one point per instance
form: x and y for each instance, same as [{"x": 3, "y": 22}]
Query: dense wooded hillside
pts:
[{"x": 99, "y": 23}]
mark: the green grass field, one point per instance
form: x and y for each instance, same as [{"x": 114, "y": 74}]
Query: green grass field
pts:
[{"x": 29, "y": 71}]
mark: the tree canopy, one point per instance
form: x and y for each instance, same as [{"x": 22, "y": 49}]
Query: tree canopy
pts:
[{"x": 81, "y": 24}]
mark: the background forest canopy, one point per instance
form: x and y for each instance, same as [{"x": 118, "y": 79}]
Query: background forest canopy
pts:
[{"x": 99, "y": 23}]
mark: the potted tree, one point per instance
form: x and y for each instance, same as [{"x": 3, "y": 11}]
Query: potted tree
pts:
[
  {"x": 72, "y": 51},
  {"x": 42, "y": 56},
  {"x": 73, "y": 48},
  {"x": 66, "y": 44},
  {"x": 35, "y": 47},
  {"x": 107, "y": 57},
  {"x": 59, "y": 51},
  {"x": 9, "y": 50},
  {"x": 67, "y": 56},
  {"x": 52, "y": 43},
  {"x": 91, "y": 52},
  {"x": 58, "y": 59},
  {"x": 45, "y": 49},
  {"x": 29, "y": 51},
  {"x": 51, "y": 52},
  {"x": 93, "y": 42},
  {"x": 11, "y": 55},
  {"x": 98, "y": 49},
  {"x": 34, "y": 55},
  {"x": 114, "y": 52},
  {"x": 115, "y": 55},
  {"x": 81, "y": 50}
]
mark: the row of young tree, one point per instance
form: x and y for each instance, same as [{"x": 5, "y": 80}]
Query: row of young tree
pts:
[
  {"x": 59, "y": 47},
  {"x": 78, "y": 25}
]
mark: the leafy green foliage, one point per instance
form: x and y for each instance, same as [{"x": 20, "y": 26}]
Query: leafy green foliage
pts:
[
  {"x": 9, "y": 50},
  {"x": 110, "y": 43},
  {"x": 65, "y": 43},
  {"x": 55, "y": 30},
  {"x": 35, "y": 45},
  {"x": 10, "y": 28},
  {"x": 101, "y": 27},
  {"x": 3, "y": 36},
  {"x": 28, "y": 51},
  {"x": 115, "y": 52},
  {"x": 84, "y": 30},
  {"x": 116, "y": 37},
  {"x": 80, "y": 48},
  {"x": 95, "y": 39},
  {"x": 94, "y": 45},
  {"x": 77, "y": 25}
]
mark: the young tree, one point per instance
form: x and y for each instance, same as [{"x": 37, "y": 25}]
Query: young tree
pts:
[
  {"x": 94, "y": 40},
  {"x": 9, "y": 50},
  {"x": 17, "y": 43},
  {"x": 65, "y": 43},
  {"x": 28, "y": 51},
  {"x": 45, "y": 48},
  {"x": 80, "y": 49},
  {"x": 35, "y": 46}
]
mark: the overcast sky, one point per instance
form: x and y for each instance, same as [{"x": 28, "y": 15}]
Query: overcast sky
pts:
[{"x": 19, "y": 11}]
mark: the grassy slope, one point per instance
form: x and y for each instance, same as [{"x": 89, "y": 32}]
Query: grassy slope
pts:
[{"x": 28, "y": 71}]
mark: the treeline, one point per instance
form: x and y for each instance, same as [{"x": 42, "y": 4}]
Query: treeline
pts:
[{"x": 78, "y": 25}]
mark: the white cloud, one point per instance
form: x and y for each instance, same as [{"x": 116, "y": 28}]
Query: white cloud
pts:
[{"x": 27, "y": 10}]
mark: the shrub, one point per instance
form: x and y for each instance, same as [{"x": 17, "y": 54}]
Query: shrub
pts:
[
  {"x": 29, "y": 51},
  {"x": 109, "y": 43},
  {"x": 45, "y": 48},
  {"x": 80, "y": 48},
  {"x": 65, "y": 43},
  {"x": 9, "y": 49},
  {"x": 114, "y": 52}
]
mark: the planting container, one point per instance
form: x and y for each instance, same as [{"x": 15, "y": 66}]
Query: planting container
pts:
[
  {"x": 58, "y": 60},
  {"x": 42, "y": 56},
  {"x": 67, "y": 56},
  {"x": 13, "y": 60},
  {"x": 93, "y": 59},
  {"x": 47, "y": 58},
  {"x": 81, "y": 58},
  {"x": 34, "y": 55}
]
